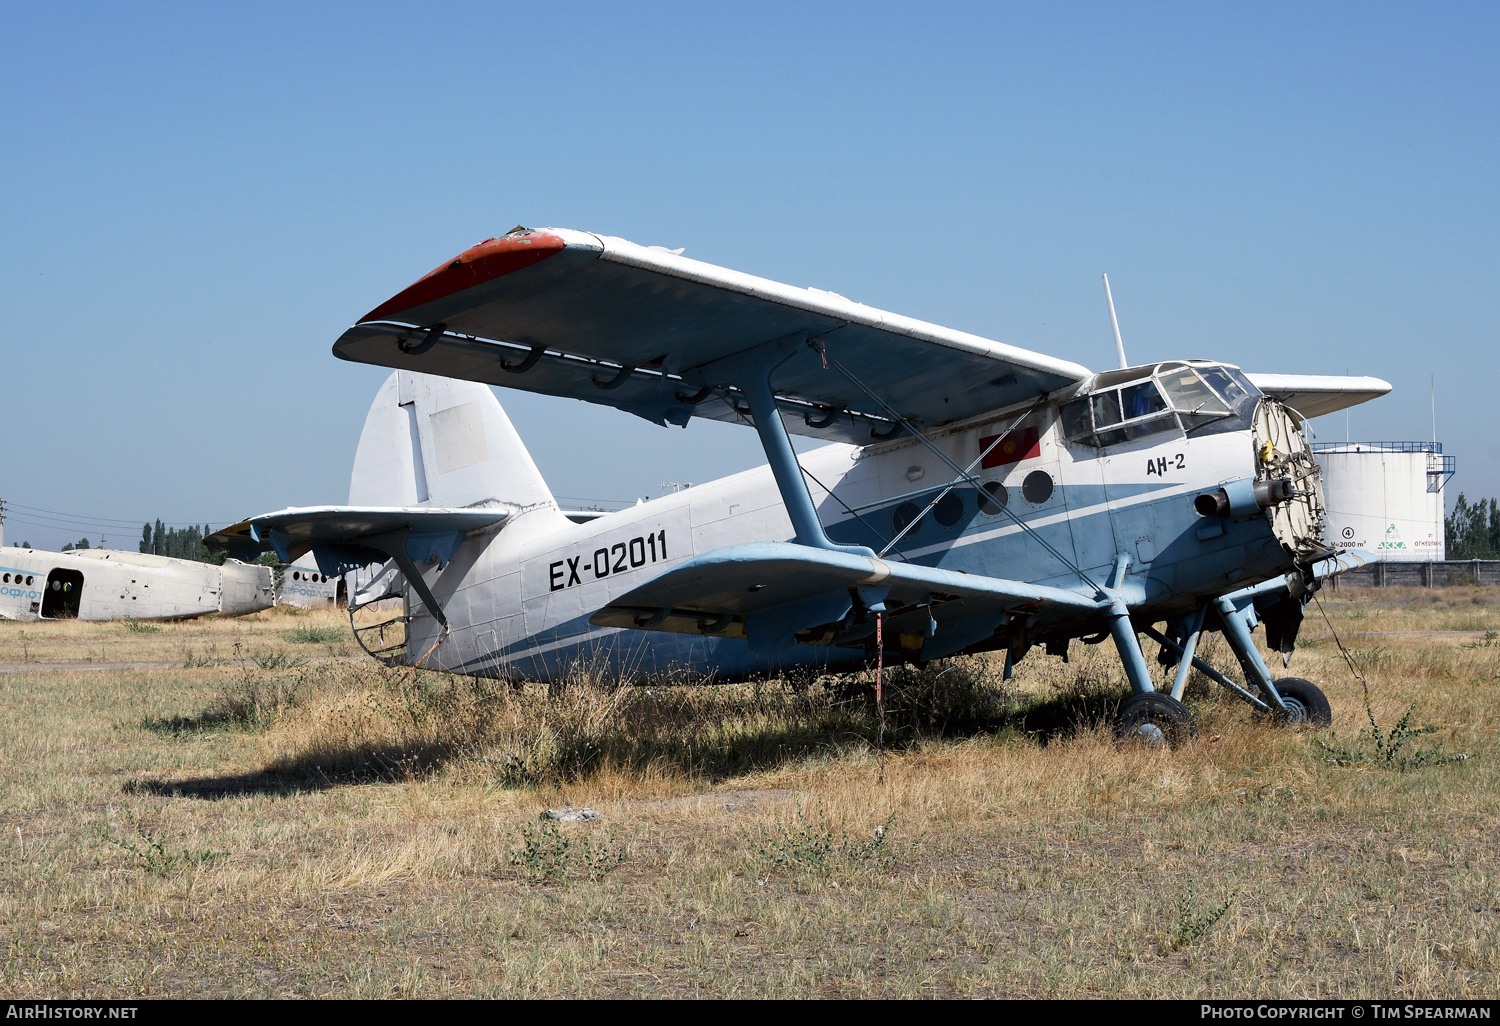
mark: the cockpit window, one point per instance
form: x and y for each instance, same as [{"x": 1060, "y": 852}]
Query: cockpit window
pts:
[
  {"x": 1232, "y": 385},
  {"x": 1141, "y": 400},
  {"x": 1194, "y": 400},
  {"x": 1134, "y": 403}
]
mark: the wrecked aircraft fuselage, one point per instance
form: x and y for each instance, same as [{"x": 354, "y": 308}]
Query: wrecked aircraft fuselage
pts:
[{"x": 104, "y": 584}]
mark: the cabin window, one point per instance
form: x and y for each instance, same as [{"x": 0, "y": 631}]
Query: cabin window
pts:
[
  {"x": 993, "y": 498},
  {"x": 1037, "y": 488},
  {"x": 1106, "y": 408},
  {"x": 904, "y": 515},
  {"x": 950, "y": 509},
  {"x": 7, "y": 578}
]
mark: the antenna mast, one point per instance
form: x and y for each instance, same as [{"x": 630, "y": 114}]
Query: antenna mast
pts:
[{"x": 1114, "y": 323}]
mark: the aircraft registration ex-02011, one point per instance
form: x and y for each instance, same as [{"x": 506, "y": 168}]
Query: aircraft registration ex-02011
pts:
[{"x": 973, "y": 496}]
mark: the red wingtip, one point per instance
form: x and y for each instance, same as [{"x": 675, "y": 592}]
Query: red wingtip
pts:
[{"x": 487, "y": 261}]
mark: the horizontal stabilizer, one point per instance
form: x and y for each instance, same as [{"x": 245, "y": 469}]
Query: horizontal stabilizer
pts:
[
  {"x": 349, "y": 530},
  {"x": 345, "y": 537},
  {"x": 775, "y": 593},
  {"x": 1314, "y": 395}
]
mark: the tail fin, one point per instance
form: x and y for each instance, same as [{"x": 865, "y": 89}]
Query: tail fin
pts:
[{"x": 431, "y": 441}]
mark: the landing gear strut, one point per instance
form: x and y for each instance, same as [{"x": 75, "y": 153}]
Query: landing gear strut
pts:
[{"x": 1292, "y": 700}]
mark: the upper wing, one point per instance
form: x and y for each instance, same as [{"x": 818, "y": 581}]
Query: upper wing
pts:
[
  {"x": 770, "y": 593},
  {"x": 1313, "y": 395},
  {"x": 601, "y": 319}
]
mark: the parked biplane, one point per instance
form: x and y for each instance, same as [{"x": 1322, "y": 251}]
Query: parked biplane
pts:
[{"x": 973, "y": 496}]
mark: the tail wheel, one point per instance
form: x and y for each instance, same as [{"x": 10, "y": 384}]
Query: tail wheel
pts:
[
  {"x": 1154, "y": 719},
  {"x": 1305, "y": 703}
]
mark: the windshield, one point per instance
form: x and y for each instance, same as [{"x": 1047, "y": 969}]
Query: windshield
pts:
[
  {"x": 1233, "y": 387},
  {"x": 1142, "y": 401}
]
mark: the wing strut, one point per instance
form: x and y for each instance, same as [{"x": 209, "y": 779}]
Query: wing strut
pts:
[
  {"x": 964, "y": 476},
  {"x": 393, "y": 544},
  {"x": 751, "y": 371}
]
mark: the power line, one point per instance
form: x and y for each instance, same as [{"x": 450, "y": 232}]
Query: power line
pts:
[{"x": 108, "y": 522}]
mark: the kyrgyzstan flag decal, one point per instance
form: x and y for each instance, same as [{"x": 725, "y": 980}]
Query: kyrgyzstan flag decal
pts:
[{"x": 1018, "y": 446}]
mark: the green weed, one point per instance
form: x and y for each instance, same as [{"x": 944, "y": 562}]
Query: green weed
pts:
[
  {"x": 314, "y": 634},
  {"x": 141, "y": 627},
  {"x": 275, "y": 660},
  {"x": 818, "y": 843},
  {"x": 1194, "y": 921},
  {"x": 1491, "y": 640},
  {"x": 153, "y": 855},
  {"x": 545, "y": 851},
  {"x": 1393, "y": 749}
]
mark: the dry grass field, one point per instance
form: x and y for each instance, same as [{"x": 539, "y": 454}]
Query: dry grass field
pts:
[{"x": 252, "y": 808}]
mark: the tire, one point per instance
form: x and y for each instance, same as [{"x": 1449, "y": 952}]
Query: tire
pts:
[
  {"x": 1306, "y": 704},
  {"x": 1154, "y": 719}
]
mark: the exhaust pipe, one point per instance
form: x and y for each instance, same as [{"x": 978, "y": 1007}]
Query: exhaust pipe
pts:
[{"x": 1245, "y": 498}]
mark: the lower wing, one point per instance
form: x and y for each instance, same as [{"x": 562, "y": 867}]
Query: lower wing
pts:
[{"x": 777, "y": 594}]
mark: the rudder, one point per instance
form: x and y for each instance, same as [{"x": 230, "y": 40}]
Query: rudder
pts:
[{"x": 431, "y": 441}]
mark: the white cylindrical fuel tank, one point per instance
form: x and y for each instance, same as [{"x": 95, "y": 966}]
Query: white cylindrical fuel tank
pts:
[{"x": 1386, "y": 497}]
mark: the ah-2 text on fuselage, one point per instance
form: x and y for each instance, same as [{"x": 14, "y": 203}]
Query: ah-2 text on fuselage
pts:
[{"x": 972, "y": 496}]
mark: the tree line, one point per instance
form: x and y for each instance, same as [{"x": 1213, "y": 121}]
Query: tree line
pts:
[
  {"x": 1473, "y": 529},
  {"x": 178, "y": 542}
]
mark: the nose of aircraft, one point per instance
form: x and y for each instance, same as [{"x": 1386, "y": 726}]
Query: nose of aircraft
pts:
[{"x": 491, "y": 259}]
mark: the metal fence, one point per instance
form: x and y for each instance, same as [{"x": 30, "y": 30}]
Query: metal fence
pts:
[{"x": 1437, "y": 574}]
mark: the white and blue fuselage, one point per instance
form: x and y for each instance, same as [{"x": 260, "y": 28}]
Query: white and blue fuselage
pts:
[{"x": 1058, "y": 503}]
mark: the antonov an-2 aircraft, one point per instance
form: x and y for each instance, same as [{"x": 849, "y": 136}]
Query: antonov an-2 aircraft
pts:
[
  {"x": 105, "y": 584},
  {"x": 974, "y": 496}
]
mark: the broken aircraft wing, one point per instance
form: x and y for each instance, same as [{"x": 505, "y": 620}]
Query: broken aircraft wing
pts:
[{"x": 645, "y": 330}]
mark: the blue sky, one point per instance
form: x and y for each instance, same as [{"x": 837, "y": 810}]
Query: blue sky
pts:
[{"x": 199, "y": 198}]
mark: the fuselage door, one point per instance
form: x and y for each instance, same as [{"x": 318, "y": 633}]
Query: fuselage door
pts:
[{"x": 63, "y": 595}]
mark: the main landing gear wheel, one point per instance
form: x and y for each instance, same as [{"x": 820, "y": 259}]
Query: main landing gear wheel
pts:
[
  {"x": 1306, "y": 705},
  {"x": 1154, "y": 719}
]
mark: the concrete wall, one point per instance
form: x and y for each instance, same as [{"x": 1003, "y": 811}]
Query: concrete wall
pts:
[{"x": 1435, "y": 574}]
